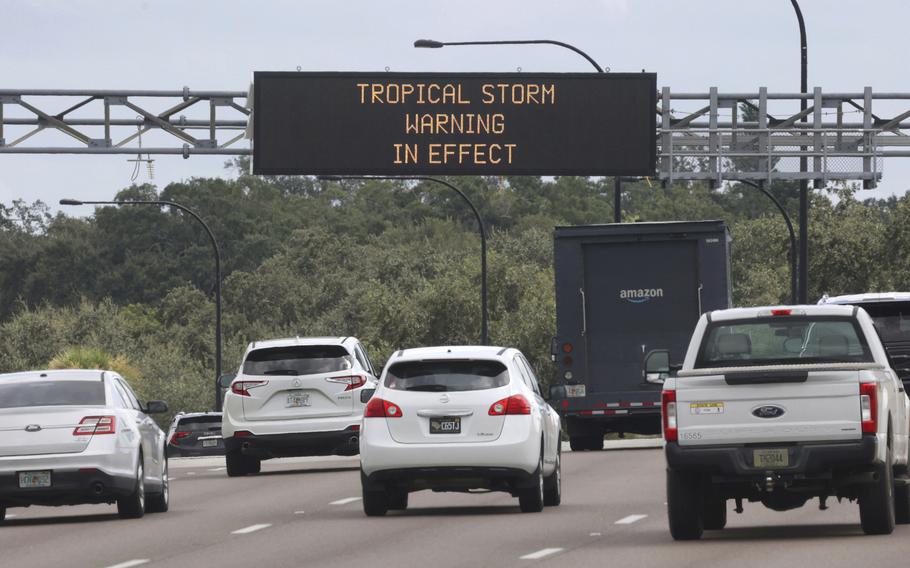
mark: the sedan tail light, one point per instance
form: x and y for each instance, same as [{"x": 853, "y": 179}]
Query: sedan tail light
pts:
[
  {"x": 379, "y": 408},
  {"x": 91, "y": 425},
  {"x": 242, "y": 388},
  {"x": 352, "y": 382},
  {"x": 868, "y": 405},
  {"x": 515, "y": 404},
  {"x": 176, "y": 436},
  {"x": 668, "y": 410}
]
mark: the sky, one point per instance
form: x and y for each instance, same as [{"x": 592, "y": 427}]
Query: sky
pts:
[{"x": 735, "y": 45}]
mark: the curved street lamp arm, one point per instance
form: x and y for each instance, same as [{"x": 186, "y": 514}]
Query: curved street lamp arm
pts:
[
  {"x": 522, "y": 42},
  {"x": 793, "y": 246}
]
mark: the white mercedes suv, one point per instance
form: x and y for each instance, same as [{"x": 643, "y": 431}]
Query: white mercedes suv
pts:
[
  {"x": 294, "y": 397},
  {"x": 69, "y": 437},
  {"x": 459, "y": 419}
]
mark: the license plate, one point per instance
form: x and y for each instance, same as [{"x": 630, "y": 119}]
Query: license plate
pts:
[
  {"x": 209, "y": 443},
  {"x": 298, "y": 399},
  {"x": 445, "y": 425},
  {"x": 575, "y": 391},
  {"x": 772, "y": 458},
  {"x": 32, "y": 479}
]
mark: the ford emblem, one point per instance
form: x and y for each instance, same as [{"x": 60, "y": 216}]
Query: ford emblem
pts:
[{"x": 768, "y": 411}]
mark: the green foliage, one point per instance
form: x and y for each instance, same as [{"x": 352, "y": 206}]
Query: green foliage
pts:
[{"x": 95, "y": 358}]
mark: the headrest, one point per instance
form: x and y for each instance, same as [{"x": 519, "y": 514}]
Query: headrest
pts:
[
  {"x": 832, "y": 345},
  {"x": 734, "y": 344}
]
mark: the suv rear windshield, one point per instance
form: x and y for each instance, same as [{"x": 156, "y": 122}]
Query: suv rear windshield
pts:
[
  {"x": 783, "y": 340},
  {"x": 447, "y": 376},
  {"x": 52, "y": 393},
  {"x": 297, "y": 360},
  {"x": 199, "y": 423}
]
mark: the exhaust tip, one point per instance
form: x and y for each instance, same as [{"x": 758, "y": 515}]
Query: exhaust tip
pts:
[
  {"x": 354, "y": 440},
  {"x": 97, "y": 488}
]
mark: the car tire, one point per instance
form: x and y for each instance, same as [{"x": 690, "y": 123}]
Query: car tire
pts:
[
  {"x": 876, "y": 501},
  {"x": 2, "y": 514},
  {"x": 552, "y": 490},
  {"x": 159, "y": 502},
  {"x": 530, "y": 500},
  {"x": 684, "y": 505},
  {"x": 132, "y": 506},
  {"x": 375, "y": 500},
  {"x": 238, "y": 465},
  {"x": 714, "y": 514},
  {"x": 586, "y": 443},
  {"x": 398, "y": 500}
]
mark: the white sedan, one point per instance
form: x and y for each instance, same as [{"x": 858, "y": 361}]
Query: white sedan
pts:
[
  {"x": 79, "y": 436},
  {"x": 459, "y": 419}
]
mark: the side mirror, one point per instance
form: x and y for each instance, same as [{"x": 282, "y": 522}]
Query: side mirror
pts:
[
  {"x": 557, "y": 392},
  {"x": 657, "y": 366},
  {"x": 366, "y": 395},
  {"x": 156, "y": 407},
  {"x": 224, "y": 381}
]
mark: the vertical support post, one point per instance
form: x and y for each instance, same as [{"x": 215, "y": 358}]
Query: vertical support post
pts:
[
  {"x": 617, "y": 199},
  {"x": 803, "y": 183},
  {"x": 212, "y": 137},
  {"x": 107, "y": 122},
  {"x": 867, "y": 136},
  {"x": 714, "y": 164},
  {"x": 764, "y": 142},
  {"x": 2, "y": 141},
  {"x": 817, "y": 139},
  {"x": 666, "y": 137}
]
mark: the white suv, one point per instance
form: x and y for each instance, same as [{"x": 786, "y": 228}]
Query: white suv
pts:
[
  {"x": 294, "y": 397},
  {"x": 457, "y": 419}
]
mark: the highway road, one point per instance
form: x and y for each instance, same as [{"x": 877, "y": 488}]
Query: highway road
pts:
[{"x": 307, "y": 512}]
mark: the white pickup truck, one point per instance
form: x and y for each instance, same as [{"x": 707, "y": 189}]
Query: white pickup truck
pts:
[{"x": 781, "y": 405}]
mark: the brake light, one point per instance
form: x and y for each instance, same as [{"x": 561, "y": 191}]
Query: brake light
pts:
[
  {"x": 177, "y": 436},
  {"x": 242, "y": 434},
  {"x": 515, "y": 404},
  {"x": 781, "y": 312},
  {"x": 242, "y": 388},
  {"x": 353, "y": 382},
  {"x": 91, "y": 425},
  {"x": 379, "y": 408},
  {"x": 668, "y": 410},
  {"x": 868, "y": 407}
]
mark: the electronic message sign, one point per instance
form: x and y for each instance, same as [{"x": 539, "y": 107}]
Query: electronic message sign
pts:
[{"x": 454, "y": 124}]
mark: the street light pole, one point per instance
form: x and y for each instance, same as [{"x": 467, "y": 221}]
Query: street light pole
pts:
[
  {"x": 803, "y": 183},
  {"x": 761, "y": 187},
  {"x": 484, "y": 307},
  {"x": 211, "y": 235},
  {"x": 431, "y": 43}
]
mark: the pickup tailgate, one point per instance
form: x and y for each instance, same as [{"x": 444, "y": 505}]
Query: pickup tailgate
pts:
[{"x": 745, "y": 406}]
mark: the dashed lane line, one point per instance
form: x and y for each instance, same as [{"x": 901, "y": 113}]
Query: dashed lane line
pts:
[
  {"x": 299, "y": 512},
  {"x": 630, "y": 519},
  {"x": 131, "y": 563},
  {"x": 252, "y": 528},
  {"x": 217, "y": 469},
  {"x": 345, "y": 501},
  {"x": 540, "y": 553}
]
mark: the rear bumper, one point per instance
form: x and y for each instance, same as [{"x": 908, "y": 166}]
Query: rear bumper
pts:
[
  {"x": 806, "y": 459},
  {"x": 67, "y": 488},
  {"x": 450, "y": 478},
  {"x": 342, "y": 442},
  {"x": 178, "y": 451}
]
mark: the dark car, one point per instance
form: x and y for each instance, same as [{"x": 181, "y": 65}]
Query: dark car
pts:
[{"x": 195, "y": 434}]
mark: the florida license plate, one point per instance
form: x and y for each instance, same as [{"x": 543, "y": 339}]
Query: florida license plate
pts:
[
  {"x": 771, "y": 458},
  {"x": 298, "y": 399},
  {"x": 209, "y": 443},
  {"x": 445, "y": 425},
  {"x": 33, "y": 479}
]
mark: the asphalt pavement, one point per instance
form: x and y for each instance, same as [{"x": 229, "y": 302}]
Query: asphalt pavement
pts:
[{"x": 307, "y": 512}]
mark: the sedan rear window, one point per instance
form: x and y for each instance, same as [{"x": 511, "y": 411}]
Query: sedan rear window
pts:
[
  {"x": 297, "y": 360},
  {"x": 447, "y": 376},
  {"x": 199, "y": 424},
  {"x": 51, "y": 393}
]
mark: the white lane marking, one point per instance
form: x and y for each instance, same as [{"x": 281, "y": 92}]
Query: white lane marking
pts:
[
  {"x": 345, "y": 501},
  {"x": 630, "y": 519},
  {"x": 299, "y": 512},
  {"x": 540, "y": 554},
  {"x": 191, "y": 473},
  {"x": 217, "y": 469},
  {"x": 596, "y": 534},
  {"x": 251, "y": 528},
  {"x": 130, "y": 563},
  {"x": 11, "y": 516}
]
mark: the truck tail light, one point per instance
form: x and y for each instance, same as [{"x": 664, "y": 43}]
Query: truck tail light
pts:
[
  {"x": 781, "y": 312},
  {"x": 379, "y": 408},
  {"x": 91, "y": 425},
  {"x": 668, "y": 409},
  {"x": 242, "y": 388},
  {"x": 352, "y": 382},
  {"x": 176, "y": 436},
  {"x": 868, "y": 407},
  {"x": 515, "y": 404}
]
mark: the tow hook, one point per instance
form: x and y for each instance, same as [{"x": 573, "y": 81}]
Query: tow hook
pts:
[{"x": 769, "y": 483}]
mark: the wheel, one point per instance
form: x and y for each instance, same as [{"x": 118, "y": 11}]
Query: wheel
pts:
[
  {"x": 2, "y": 514},
  {"x": 596, "y": 443},
  {"x": 397, "y": 500},
  {"x": 684, "y": 505},
  {"x": 714, "y": 513},
  {"x": 577, "y": 443},
  {"x": 876, "y": 501},
  {"x": 531, "y": 499},
  {"x": 902, "y": 504},
  {"x": 375, "y": 501},
  {"x": 583, "y": 443},
  {"x": 552, "y": 487},
  {"x": 238, "y": 465},
  {"x": 159, "y": 502},
  {"x": 132, "y": 506}
]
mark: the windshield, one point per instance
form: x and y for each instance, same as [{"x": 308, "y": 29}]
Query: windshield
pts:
[
  {"x": 447, "y": 376},
  {"x": 783, "y": 341},
  {"x": 892, "y": 320},
  {"x": 297, "y": 360},
  {"x": 52, "y": 393},
  {"x": 199, "y": 424}
]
